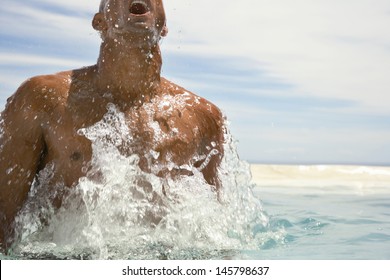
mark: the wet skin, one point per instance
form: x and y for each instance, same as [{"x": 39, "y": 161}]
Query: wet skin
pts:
[{"x": 41, "y": 121}]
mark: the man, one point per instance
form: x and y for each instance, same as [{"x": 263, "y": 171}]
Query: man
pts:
[{"x": 41, "y": 122}]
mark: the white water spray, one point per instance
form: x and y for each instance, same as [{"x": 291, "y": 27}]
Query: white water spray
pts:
[{"x": 120, "y": 212}]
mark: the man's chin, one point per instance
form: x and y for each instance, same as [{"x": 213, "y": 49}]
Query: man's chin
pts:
[{"x": 136, "y": 35}]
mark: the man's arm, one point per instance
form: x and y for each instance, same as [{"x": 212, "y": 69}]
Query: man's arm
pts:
[
  {"x": 213, "y": 130},
  {"x": 21, "y": 148}
]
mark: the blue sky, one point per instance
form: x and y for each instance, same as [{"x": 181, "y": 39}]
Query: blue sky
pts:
[{"x": 300, "y": 81}]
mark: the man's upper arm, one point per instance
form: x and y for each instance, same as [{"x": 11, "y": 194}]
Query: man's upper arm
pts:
[
  {"x": 21, "y": 147},
  {"x": 214, "y": 125}
]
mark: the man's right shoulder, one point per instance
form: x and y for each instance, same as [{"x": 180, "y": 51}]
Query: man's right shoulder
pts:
[
  {"x": 42, "y": 90},
  {"x": 55, "y": 83}
]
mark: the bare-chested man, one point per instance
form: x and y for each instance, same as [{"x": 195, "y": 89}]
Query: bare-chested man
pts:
[{"x": 40, "y": 123}]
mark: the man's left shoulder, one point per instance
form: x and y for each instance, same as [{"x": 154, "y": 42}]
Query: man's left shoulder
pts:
[{"x": 201, "y": 106}]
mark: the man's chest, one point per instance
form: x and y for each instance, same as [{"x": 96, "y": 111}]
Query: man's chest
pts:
[{"x": 158, "y": 135}]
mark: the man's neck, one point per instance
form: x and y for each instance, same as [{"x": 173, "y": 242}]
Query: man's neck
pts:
[{"x": 130, "y": 74}]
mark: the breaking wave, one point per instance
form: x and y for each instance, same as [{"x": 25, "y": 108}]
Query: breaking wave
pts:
[{"x": 329, "y": 179}]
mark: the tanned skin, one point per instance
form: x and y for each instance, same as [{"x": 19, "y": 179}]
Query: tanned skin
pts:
[{"x": 41, "y": 120}]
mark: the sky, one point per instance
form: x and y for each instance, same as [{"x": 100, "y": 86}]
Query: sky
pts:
[{"x": 300, "y": 81}]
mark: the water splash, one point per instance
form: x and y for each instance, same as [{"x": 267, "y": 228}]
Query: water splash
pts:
[
  {"x": 120, "y": 212},
  {"x": 1, "y": 132}
]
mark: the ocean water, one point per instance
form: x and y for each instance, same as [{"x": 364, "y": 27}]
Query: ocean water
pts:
[
  {"x": 325, "y": 212},
  {"x": 264, "y": 211}
]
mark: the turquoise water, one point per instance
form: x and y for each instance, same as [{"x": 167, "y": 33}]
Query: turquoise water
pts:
[
  {"x": 332, "y": 226},
  {"x": 302, "y": 226}
]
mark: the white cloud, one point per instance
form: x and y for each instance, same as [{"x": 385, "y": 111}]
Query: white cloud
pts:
[
  {"x": 75, "y": 5},
  {"x": 316, "y": 145},
  {"x": 17, "y": 59},
  {"x": 22, "y": 60},
  {"x": 22, "y": 20},
  {"x": 326, "y": 48},
  {"x": 53, "y": 40}
]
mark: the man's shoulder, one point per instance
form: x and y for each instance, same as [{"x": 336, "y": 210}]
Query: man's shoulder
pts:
[
  {"x": 42, "y": 89},
  {"x": 198, "y": 103},
  {"x": 53, "y": 82}
]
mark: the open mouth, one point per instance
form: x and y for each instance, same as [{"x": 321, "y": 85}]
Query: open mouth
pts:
[{"x": 139, "y": 8}]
